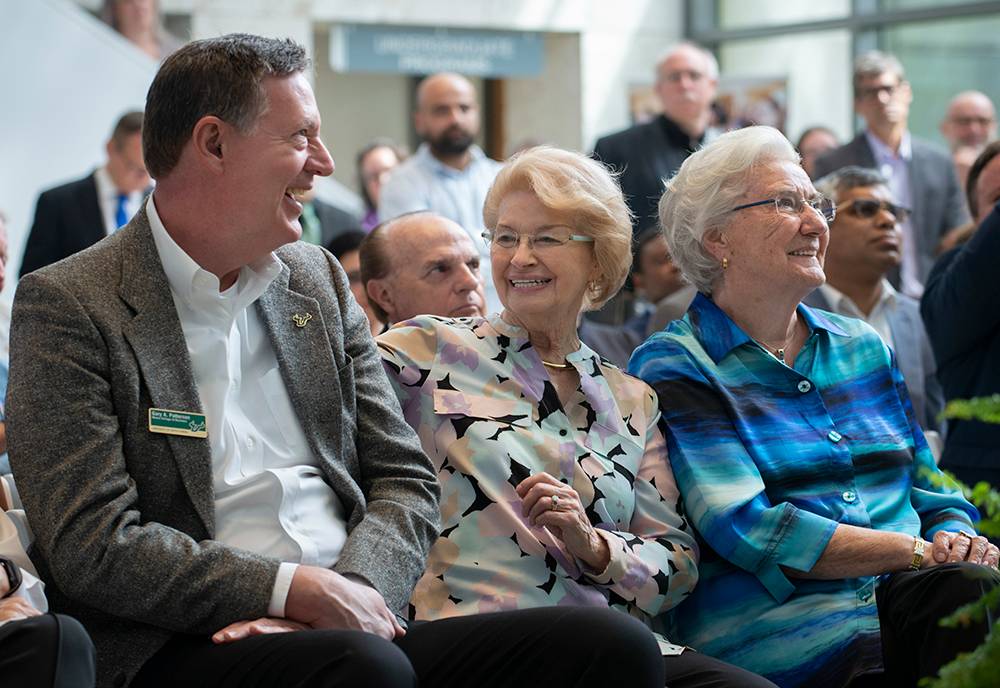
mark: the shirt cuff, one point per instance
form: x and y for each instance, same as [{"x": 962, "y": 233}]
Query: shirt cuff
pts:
[
  {"x": 801, "y": 542},
  {"x": 617, "y": 562},
  {"x": 279, "y": 595}
]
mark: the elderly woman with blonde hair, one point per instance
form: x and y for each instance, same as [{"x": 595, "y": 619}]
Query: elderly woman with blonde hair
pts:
[
  {"x": 831, "y": 544},
  {"x": 556, "y": 491}
]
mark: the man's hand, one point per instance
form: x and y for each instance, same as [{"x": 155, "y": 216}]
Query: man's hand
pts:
[
  {"x": 322, "y": 598},
  {"x": 16, "y": 608},
  {"x": 262, "y": 626},
  {"x": 951, "y": 547}
]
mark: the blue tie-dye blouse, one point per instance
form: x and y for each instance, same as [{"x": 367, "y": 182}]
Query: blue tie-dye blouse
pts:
[{"x": 769, "y": 459}]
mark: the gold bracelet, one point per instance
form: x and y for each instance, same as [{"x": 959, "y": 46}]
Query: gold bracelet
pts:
[{"x": 918, "y": 554}]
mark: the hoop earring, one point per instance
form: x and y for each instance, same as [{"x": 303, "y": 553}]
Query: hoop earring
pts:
[{"x": 725, "y": 263}]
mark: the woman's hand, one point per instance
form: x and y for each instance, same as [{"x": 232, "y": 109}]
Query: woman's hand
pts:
[
  {"x": 961, "y": 546},
  {"x": 548, "y": 502}
]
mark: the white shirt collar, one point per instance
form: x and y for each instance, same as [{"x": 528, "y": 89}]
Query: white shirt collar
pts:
[
  {"x": 842, "y": 303},
  {"x": 882, "y": 152},
  {"x": 197, "y": 287}
]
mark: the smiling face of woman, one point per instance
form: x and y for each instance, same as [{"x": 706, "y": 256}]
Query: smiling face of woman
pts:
[
  {"x": 769, "y": 251},
  {"x": 540, "y": 287}
]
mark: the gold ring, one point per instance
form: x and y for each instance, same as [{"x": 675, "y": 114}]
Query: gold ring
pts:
[
  {"x": 968, "y": 535},
  {"x": 555, "y": 502}
]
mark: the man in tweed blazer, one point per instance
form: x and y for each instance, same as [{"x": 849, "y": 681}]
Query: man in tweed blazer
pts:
[{"x": 222, "y": 485}]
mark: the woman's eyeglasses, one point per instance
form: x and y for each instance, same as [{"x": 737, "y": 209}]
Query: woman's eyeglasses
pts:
[
  {"x": 793, "y": 205},
  {"x": 870, "y": 207},
  {"x": 550, "y": 237}
]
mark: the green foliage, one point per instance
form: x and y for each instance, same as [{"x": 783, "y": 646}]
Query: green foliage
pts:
[
  {"x": 985, "y": 409},
  {"x": 976, "y": 669}
]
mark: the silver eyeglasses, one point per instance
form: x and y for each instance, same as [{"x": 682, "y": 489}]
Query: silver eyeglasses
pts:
[
  {"x": 793, "y": 205},
  {"x": 543, "y": 239}
]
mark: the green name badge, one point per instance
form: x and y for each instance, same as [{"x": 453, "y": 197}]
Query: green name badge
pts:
[{"x": 177, "y": 423}]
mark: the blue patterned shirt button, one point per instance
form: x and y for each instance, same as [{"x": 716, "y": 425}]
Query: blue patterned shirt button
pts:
[
  {"x": 805, "y": 386},
  {"x": 834, "y": 436},
  {"x": 849, "y": 496}
]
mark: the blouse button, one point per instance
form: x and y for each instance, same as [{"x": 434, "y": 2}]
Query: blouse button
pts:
[
  {"x": 804, "y": 386},
  {"x": 834, "y": 436},
  {"x": 562, "y": 432},
  {"x": 849, "y": 496}
]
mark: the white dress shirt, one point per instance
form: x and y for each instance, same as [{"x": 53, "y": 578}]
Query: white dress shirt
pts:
[
  {"x": 107, "y": 199},
  {"x": 270, "y": 493},
  {"x": 894, "y": 166},
  {"x": 842, "y": 304}
]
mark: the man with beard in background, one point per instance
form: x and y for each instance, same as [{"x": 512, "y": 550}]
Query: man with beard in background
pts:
[{"x": 449, "y": 174}]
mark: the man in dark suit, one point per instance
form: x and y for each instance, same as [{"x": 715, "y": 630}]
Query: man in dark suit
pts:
[
  {"x": 73, "y": 216},
  {"x": 921, "y": 175},
  {"x": 962, "y": 314},
  {"x": 648, "y": 154},
  {"x": 221, "y": 482},
  {"x": 865, "y": 244}
]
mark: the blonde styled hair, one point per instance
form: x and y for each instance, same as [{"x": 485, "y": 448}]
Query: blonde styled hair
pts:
[{"x": 582, "y": 188}]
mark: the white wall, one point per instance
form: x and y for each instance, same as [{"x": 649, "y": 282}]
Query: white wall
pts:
[{"x": 66, "y": 78}]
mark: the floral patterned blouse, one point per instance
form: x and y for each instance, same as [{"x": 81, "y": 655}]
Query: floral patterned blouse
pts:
[{"x": 488, "y": 416}]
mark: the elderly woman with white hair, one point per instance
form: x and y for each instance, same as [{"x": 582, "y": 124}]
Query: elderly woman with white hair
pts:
[
  {"x": 556, "y": 495},
  {"x": 831, "y": 544}
]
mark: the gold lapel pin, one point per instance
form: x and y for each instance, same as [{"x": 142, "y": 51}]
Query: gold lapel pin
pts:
[{"x": 301, "y": 320}]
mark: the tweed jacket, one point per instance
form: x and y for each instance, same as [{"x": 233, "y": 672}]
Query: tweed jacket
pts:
[
  {"x": 938, "y": 203},
  {"x": 123, "y": 517}
]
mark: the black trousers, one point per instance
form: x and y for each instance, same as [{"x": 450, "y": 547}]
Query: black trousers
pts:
[
  {"x": 549, "y": 647},
  {"x": 43, "y": 651},
  {"x": 910, "y": 604}
]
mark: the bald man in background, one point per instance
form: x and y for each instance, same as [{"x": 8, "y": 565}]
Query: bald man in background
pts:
[
  {"x": 968, "y": 125},
  {"x": 449, "y": 174},
  {"x": 421, "y": 264}
]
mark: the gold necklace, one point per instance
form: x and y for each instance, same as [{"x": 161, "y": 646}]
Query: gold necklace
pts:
[{"x": 553, "y": 365}]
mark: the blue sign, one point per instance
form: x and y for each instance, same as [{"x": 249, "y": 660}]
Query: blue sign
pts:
[{"x": 417, "y": 50}]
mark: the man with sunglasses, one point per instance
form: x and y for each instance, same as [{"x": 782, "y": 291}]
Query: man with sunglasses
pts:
[
  {"x": 73, "y": 216},
  {"x": 866, "y": 244},
  {"x": 920, "y": 176}
]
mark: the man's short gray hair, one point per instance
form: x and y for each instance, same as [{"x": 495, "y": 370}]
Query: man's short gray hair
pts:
[
  {"x": 875, "y": 63},
  {"x": 713, "y": 64},
  {"x": 710, "y": 183},
  {"x": 846, "y": 178}
]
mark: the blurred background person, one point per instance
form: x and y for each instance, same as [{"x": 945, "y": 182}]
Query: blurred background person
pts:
[
  {"x": 968, "y": 125},
  {"x": 449, "y": 174},
  {"x": 646, "y": 155},
  {"x": 73, "y": 216},
  {"x": 663, "y": 295},
  {"x": 556, "y": 491},
  {"x": 814, "y": 142},
  {"x": 374, "y": 164},
  {"x": 346, "y": 248},
  {"x": 795, "y": 446},
  {"x": 921, "y": 175},
  {"x": 140, "y": 22}
]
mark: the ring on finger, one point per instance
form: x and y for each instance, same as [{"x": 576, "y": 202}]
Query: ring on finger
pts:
[
  {"x": 968, "y": 535},
  {"x": 555, "y": 503}
]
